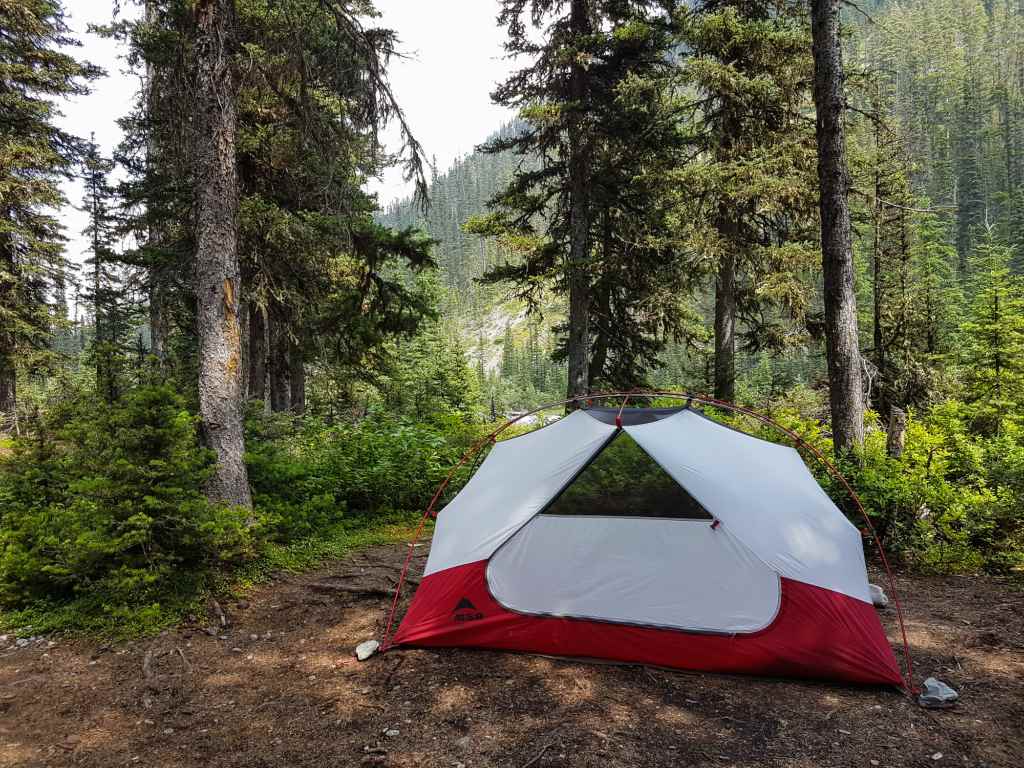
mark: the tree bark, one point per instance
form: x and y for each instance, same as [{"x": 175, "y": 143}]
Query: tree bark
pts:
[
  {"x": 8, "y": 372},
  {"x": 297, "y": 379},
  {"x": 896, "y": 438},
  {"x": 217, "y": 280},
  {"x": 842, "y": 347},
  {"x": 157, "y": 319},
  {"x": 725, "y": 326},
  {"x": 277, "y": 362},
  {"x": 578, "y": 351},
  {"x": 8, "y": 391},
  {"x": 257, "y": 353}
]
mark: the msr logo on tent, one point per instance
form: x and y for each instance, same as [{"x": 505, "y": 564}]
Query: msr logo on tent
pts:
[{"x": 466, "y": 611}]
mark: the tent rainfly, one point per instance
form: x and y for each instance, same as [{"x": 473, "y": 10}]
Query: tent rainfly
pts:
[{"x": 652, "y": 536}]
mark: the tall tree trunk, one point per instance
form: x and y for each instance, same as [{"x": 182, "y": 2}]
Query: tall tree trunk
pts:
[
  {"x": 725, "y": 329},
  {"x": 842, "y": 348},
  {"x": 297, "y": 379},
  {"x": 8, "y": 389},
  {"x": 157, "y": 318},
  {"x": 216, "y": 269},
  {"x": 579, "y": 219},
  {"x": 277, "y": 362},
  {"x": 257, "y": 353},
  {"x": 8, "y": 372}
]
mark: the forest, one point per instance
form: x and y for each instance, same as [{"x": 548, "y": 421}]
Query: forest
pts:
[{"x": 811, "y": 210}]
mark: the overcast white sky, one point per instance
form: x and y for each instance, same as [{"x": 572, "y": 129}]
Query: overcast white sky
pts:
[{"x": 456, "y": 57}]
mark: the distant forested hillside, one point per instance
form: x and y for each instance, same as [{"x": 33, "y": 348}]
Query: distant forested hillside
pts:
[{"x": 511, "y": 350}]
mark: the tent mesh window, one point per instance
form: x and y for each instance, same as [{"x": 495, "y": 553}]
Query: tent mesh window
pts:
[{"x": 624, "y": 481}]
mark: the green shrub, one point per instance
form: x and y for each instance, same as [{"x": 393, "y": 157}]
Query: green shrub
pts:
[
  {"x": 109, "y": 500},
  {"x": 307, "y": 478}
]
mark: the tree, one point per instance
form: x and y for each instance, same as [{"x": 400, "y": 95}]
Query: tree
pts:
[
  {"x": 846, "y": 394},
  {"x": 749, "y": 191},
  {"x": 110, "y": 310},
  {"x": 600, "y": 127},
  {"x": 302, "y": 271},
  {"x": 34, "y": 155},
  {"x": 217, "y": 278},
  {"x": 992, "y": 337}
]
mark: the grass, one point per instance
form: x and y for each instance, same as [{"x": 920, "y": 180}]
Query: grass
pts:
[{"x": 93, "y": 616}]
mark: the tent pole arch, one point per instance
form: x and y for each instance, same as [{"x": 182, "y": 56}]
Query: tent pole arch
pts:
[{"x": 799, "y": 442}]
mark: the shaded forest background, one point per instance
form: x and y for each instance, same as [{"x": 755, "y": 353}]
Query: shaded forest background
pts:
[{"x": 374, "y": 346}]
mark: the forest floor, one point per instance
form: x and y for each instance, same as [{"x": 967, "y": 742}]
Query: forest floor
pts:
[{"x": 278, "y": 686}]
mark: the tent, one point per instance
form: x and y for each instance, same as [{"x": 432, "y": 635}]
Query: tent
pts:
[{"x": 652, "y": 536}]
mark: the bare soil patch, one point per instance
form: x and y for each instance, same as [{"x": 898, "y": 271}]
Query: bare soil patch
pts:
[{"x": 278, "y": 686}]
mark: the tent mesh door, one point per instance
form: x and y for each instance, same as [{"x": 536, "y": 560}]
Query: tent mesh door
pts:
[{"x": 624, "y": 481}]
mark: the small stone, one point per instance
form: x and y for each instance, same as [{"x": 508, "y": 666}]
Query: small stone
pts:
[
  {"x": 873, "y": 762},
  {"x": 242, "y": 604},
  {"x": 937, "y": 756},
  {"x": 254, "y": 638},
  {"x": 22, "y": 642},
  {"x": 366, "y": 649},
  {"x": 464, "y": 743},
  {"x": 937, "y": 695},
  {"x": 168, "y": 731},
  {"x": 878, "y": 596},
  {"x": 236, "y": 650},
  {"x": 392, "y": 732}
]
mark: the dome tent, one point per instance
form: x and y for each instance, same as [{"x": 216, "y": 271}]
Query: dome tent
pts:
[{"x": 653, "y": 536}]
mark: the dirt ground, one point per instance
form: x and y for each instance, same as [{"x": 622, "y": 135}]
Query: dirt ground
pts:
[{"x": 277, "y": 686}]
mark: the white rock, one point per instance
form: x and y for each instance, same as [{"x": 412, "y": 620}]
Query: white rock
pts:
[
  {"x": 878, "y": 596},
  {"x": 366, "y": 649},
  {"x": 392, "y": 732},
  {"x": 937, "y": 694}
]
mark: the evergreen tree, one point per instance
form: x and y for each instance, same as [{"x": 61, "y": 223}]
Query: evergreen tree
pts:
[
  {"x": 106, "y": 292},
  {"x": 34, "y": 155},
  {"x": 992, "y": 336},
  {"x": 600, "y": 126},
  {"x": 750, "y": 196}
]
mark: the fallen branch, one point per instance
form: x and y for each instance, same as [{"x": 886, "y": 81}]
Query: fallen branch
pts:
[
  {"x": 538, "y": 756},
  {"x": 188, "y": 666},
  {"x": 333, "y": 588}
]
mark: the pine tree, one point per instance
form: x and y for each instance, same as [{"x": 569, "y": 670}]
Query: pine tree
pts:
[
  {"x": 601, "y": 127},
  {"x": 750, "y": 196},
  {"x": 992, "y": 336},
  {"x": 842, "y": 346},
  {"x": 111, "y": 331},
  {"x": 34, "y": 155}
]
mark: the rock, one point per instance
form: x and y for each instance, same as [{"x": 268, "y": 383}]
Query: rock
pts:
[
  {"x": 242, "y": 604},
  {"x": 392, "y": 732},
  {"x": 254, "y": 638},
  {"x": 366, "y": 649},
  {"x": 937, "y": 695},
  {"x": 878, "y": 596},
  {"x": 464, "y": 743},
  {"x": 937, "y": 756},
  {"x": 22, "y": 642}
]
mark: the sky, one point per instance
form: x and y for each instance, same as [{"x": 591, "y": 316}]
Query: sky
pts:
[{"x": 454, "y": 58}]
